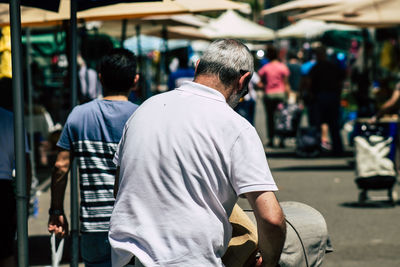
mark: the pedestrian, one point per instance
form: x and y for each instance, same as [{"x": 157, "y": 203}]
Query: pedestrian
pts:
[
  {"x": 89, "y": 83},
  {"x": 91, "y": 135},
  {"x": 275, "y": 81},
  {"x": 247, "y": 107},
  {"x": 184, "y": 158},
  {"x": 294, "y": 67},
  {"x": 390, "y": 106},
  {"x": 325, "y": 85},
  {"x": 182, "y": 71},
  {"x": 8, "y": 223}
]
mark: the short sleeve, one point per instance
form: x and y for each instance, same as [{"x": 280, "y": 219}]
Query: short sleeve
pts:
[
  {"x": 118, "y": 151},
  {"x": 261, "y": 72},
  {"x": 66, "y": 138},
  {"x": 250, "y": 171}
]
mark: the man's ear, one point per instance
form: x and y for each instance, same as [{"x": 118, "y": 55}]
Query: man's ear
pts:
[
  {"x": 244, "y": 80},
  {"x": 197, "y": 64},
  {"x": 135, "y": 82}
]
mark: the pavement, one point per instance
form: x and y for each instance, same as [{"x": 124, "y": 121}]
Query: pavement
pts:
[{"x": 365, "y": 235}]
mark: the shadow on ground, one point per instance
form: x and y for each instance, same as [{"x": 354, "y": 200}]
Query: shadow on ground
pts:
[
  {"x": 369, "y": 204},
  {"x": 40, "y": 250},
  {"x": 285, "y": 153},
  {"x": 314, "y": 168}
]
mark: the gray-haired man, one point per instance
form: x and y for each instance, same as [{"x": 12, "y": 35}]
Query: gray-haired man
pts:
[{"x": 184, "y": 158}]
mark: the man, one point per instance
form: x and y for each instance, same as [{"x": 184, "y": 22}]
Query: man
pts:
[
  {"x": 184, "y": 158},
  {"x": 91, "y": 134},
  {"x": 90, "y": 86},
  {"x": 325, "y": 83}
]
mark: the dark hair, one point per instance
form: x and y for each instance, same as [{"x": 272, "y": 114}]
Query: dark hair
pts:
[
  {"x": 118, "y": 71},
  {"x": 272, "y": 53},
  {"x": 292, "y": 54}
]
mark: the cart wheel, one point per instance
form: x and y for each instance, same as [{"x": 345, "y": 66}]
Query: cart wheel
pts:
[{"x": 362, "y": 197}]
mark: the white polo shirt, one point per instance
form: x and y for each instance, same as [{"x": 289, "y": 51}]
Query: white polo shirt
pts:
[{"x": 185, "y": 156}]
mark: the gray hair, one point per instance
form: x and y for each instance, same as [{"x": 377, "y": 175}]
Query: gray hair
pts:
[{"x": 226, "y": 58}]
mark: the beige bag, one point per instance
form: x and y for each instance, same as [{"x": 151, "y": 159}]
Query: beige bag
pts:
[{"x": 242, "y": 248}]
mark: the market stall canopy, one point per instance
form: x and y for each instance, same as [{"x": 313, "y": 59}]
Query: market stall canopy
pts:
[
  {"x": 307, "y": 28},
  {"x": 149, "y": 25},
  {"x": 232, "y": 25},
  {"x": 363, "y": 13},
  {"x": 87, "y": 4},
  {"x": 31, "y": 16},
  {"x": 177, "y": 20},
  {"x": 177, "y": 32},
  {"x": 298, "y": 5},
  {"x": 137, "y": 10},
  {"x": 52, "y": 5},
  {"x": 197, "y": 6}
]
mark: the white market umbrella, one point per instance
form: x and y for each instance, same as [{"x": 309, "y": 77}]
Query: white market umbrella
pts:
[
  {"x": 363, "y": 13},
  {"x": 231, "y": 25},
  {"x": 307, "y": 28},
  {"x": 298, "y": 5}
]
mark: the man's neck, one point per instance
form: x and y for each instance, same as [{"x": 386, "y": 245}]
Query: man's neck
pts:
[
  {"x": 116, "y": 98},
  {"x": 214, "y": 83}
]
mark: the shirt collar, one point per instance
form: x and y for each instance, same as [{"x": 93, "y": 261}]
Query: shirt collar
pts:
[{"x": 201, "y": 90}]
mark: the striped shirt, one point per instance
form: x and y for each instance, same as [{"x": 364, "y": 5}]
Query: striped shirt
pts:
[{"x": 92, "y": 133}]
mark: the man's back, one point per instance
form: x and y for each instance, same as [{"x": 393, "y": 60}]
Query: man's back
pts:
[
  {"x": 92, "y": 133},
  {"x": 326, "y": 77},
  {"x": 175, "y": 207}
]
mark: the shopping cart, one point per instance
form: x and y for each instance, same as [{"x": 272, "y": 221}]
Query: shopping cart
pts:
[{"x": 375, "y": 148}]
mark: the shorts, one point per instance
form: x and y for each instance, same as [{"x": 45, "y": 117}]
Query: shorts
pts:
[
  {"x": 8, "y": 223},
  {"x": 95, "y": 249}
]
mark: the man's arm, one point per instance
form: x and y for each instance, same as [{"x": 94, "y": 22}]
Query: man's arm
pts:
[
  {"x": 57, "y": 221},
  {"x": 116, "y": 182},
  {"x": 390, "y": 103},
  {"x": 271, "y": 226},
  {"x": 288, "y": 89}
]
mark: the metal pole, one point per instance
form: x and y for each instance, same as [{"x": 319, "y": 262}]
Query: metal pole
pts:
[
  {"x": 74, "y": 176},
  {"x": 165, "y": 38},
  {"x": 123, "y": 32},
  {"x": 30, "y": 100},
  {"x": 142, "y": 81},
  {"x": 19, "y": 132}
]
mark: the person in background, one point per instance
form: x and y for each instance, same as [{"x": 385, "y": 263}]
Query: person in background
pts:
[
  {"x": 183, "y": 160},
  {"x": 8, "y": 223},
  {"x": 274, "y": 78},
  {"x": 247, "y": 107},
  {"x": 91, "y": 135},
  {"x": 181, "y": 71},
  {"x": 325, "y": 85},
  {"x": 294, "y": 67},
  {"x": 90, "y": 86}
]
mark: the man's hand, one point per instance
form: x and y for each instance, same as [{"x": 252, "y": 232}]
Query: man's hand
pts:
[{"x": 59, "y": 225}]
